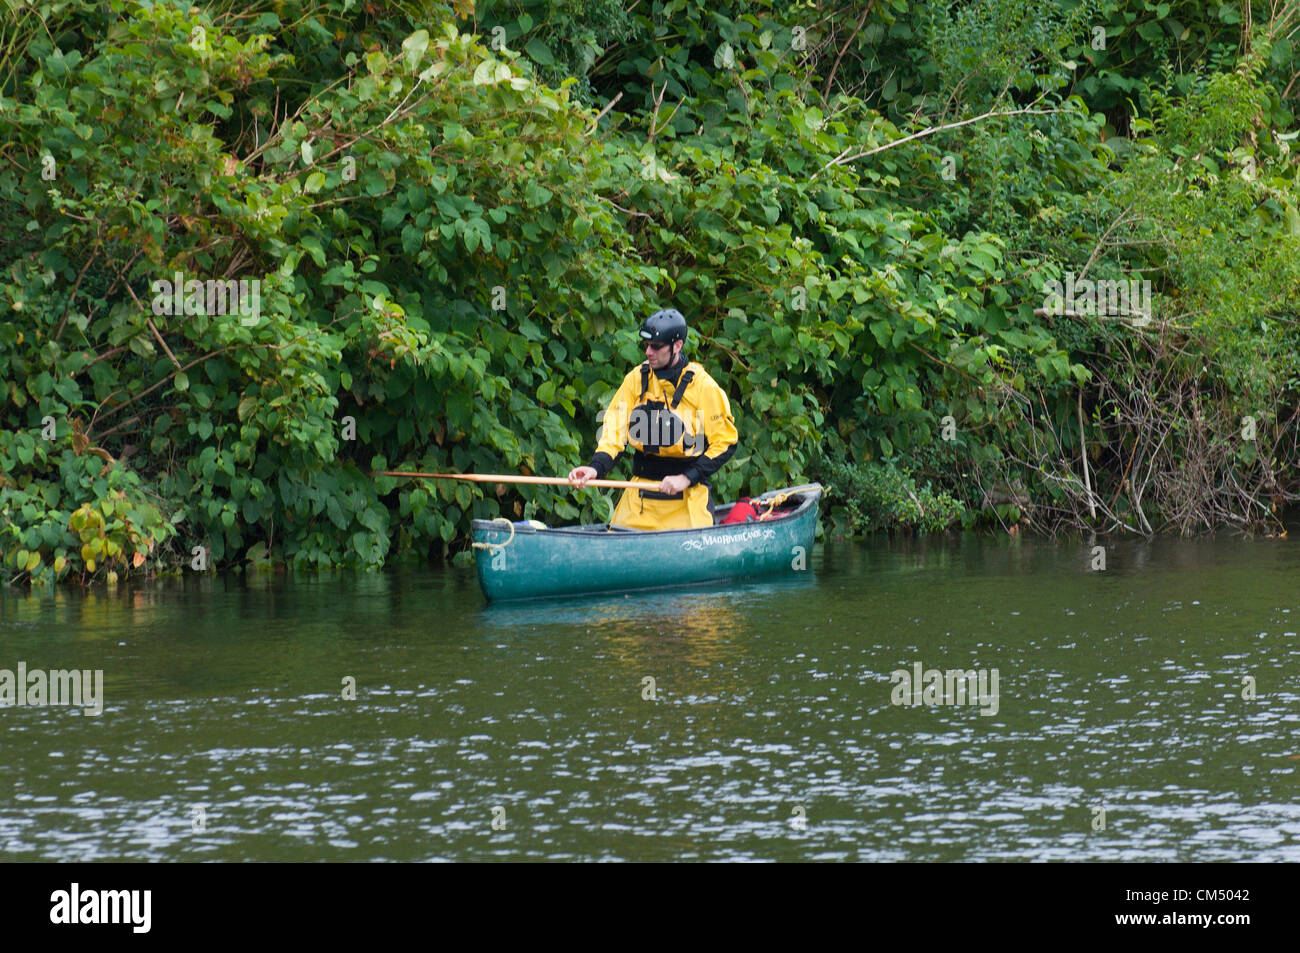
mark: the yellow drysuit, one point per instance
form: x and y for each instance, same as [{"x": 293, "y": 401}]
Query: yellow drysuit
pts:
[{"x": 684, "y": 427}]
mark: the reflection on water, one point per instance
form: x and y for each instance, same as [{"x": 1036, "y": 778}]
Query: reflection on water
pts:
[
  {"x": 709, "y": 611},
  {"x": 693, "y": 629},
  {"x": 1122, "y": 690}
]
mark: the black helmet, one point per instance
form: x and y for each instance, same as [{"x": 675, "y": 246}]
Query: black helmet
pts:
[{"x": 664, "y": 327}]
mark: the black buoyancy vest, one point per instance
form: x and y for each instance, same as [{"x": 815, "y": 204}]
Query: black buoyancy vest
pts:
[{"x": 648, "y": 463}]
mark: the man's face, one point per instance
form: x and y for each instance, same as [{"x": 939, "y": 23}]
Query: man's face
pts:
[{"x": 661, "y": 356}]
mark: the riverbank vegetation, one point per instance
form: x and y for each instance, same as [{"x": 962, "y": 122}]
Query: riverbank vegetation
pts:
[{"x": 905, "y": 235}]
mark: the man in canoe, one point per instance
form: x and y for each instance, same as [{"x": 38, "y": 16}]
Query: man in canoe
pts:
[{"x": 678, "y": 422}]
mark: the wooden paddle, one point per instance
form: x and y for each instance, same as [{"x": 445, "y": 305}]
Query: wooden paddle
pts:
[{"x": 515, "y": 478}]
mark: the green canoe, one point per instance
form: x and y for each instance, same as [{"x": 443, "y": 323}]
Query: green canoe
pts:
[{"x": 522, "y": 561}]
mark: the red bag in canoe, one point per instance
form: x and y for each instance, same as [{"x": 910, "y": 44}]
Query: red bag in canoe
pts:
[{"x": 742, "y": 511}]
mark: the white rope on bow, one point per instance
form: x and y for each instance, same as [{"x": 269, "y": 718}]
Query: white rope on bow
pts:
[{"x": 496, "y": 546}]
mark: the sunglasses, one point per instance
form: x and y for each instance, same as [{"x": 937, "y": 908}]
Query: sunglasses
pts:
[{"x": 655, "y": 347}]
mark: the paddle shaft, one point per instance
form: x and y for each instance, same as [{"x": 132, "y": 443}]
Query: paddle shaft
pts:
[{"x": 516, "y": 478}]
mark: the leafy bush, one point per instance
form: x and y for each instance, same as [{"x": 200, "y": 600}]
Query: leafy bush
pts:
[
  {"x": 880, "y": 495},
  {"x": 454, "y": 247}
]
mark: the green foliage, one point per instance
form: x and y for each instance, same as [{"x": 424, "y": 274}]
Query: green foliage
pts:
[
  {"x": 87, "y": 517},
  {"x": 857, "y": 207},
  {"x": 882, "y": 496},
  {"x": 561, "y": 38}
]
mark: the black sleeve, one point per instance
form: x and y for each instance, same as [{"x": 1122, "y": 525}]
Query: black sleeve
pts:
[
  {"x": 602, "y": 463},
  {"x": 705, "y": 467}
]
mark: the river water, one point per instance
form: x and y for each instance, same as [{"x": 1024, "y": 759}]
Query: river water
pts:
[{"x": 752, "y": 722}]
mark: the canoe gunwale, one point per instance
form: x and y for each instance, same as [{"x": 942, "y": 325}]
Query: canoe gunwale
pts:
[{"x": 811, "y": 497}]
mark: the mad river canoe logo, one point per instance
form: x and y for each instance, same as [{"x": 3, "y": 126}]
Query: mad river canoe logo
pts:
[{"x": 718, "y": 539}]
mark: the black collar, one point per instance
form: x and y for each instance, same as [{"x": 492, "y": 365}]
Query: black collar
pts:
[{"x": 673, "y": 371}]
